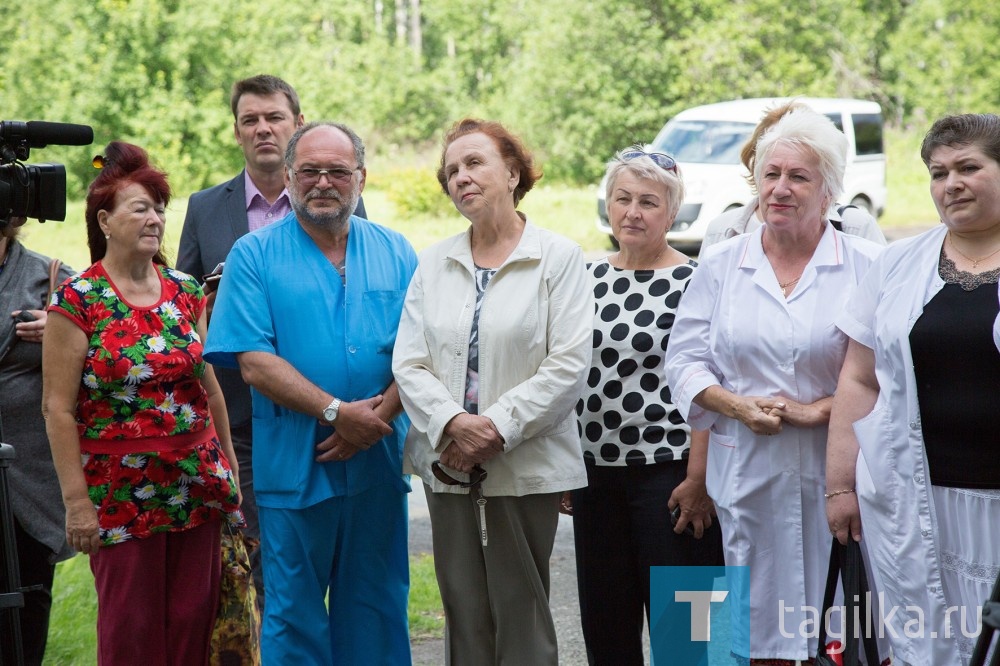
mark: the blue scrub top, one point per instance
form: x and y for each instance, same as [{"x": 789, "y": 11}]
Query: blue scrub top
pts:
[{"x": 279, "y": 294}]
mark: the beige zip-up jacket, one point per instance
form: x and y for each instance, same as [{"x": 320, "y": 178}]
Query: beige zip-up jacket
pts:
[{"x": 535, "y": 329}]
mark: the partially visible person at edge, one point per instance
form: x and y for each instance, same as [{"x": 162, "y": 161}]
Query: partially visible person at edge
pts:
[
  {"x": 308, "y": 309},
  {"x": 138, "y": 426},
  {"x": 914, "y": 454},
  {"x": 755, "y": 357},
  {"x": 744, "y": 219},
  {"x": 39, "y": 518},
  {"x": 265, "y": 115},
  {"x": 492, "y": 353},
  {"x": 637, "y": 448}
]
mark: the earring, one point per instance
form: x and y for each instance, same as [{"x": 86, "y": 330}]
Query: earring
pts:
[{"x": 107, "y": 236}]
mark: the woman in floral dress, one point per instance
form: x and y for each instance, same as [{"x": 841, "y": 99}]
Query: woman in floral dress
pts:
[{"x": 138, "y": 426}]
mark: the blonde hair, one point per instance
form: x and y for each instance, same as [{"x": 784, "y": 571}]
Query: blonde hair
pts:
[
  {"x": 771, "y": 116},
  {"x": 814, "y": 132},
  {"x": 644, "y": 167}
]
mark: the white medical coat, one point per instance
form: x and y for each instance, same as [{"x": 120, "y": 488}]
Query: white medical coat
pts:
[
  {"x": 735, "y": 329},
  {"x": 897, "y": 509}
]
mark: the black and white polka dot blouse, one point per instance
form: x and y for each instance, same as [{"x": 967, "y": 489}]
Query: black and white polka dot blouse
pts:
[{"x": 625, "y": 414}]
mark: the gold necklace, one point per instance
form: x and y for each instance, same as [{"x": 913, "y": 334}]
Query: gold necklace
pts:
[
  {"x": 975, "y": 262},
  {"x": 785, "y": 285},
  {"x": 781, "y": 285}
]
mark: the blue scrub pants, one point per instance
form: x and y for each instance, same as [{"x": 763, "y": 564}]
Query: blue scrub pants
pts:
[{"x": 355, "y": 549}]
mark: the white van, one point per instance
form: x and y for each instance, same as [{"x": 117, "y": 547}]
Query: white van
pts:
[{"x": 706, "y": 141}]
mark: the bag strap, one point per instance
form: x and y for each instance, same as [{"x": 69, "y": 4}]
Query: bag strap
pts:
[
  {"x": 868, "y": 636},
  {"x": 832, "y": 575},
  {"x": 839, "y": 224},
  {"x": 54, "y": 267},
  {"x": 847, "y": 563}
]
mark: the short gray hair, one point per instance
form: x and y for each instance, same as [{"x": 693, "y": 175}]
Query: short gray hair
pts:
[
  {"x": 293, "y": 144},
  {"x": 645, "y": 168},
  {"x": 804, "y": 128}
]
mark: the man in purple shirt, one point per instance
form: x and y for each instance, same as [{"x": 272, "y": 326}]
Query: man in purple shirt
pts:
[{"x": 266, "y": 114}]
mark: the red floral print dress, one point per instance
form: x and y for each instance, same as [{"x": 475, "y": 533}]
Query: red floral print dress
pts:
[{"x": 150, "y": 454}]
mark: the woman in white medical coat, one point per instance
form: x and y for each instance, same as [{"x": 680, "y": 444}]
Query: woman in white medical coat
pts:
[
  {"x": 754, "y": 356},
  {"x": 918, "y": 395}
]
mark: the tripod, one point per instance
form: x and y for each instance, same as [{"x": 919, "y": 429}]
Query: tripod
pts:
[
  {"x": 991, "y": 623},
  {"x": 11, "y": 593}
]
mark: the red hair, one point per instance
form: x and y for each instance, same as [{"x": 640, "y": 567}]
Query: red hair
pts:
[
  {"x": 509, "y": 146},
  {"x": 124, "y": 164}
]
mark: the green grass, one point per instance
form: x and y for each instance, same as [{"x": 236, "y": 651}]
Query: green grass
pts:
[
  {"x": 425, "y": 612},
  {"x": 73, "y": 625},
  {"x": 909, "y": 201}
]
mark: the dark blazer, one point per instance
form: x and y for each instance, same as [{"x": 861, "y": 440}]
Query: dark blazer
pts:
[{"x": 215, "y": 219}]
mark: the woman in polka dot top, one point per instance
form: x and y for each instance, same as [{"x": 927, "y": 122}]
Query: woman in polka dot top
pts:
[{"x": 636, "y": 445}]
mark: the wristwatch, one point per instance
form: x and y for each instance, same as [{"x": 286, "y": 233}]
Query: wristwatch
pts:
[{"x": 331, "y": 411}]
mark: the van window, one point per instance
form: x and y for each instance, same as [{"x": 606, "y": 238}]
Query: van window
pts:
[
  {"x": 838, "y": 120},
  {"x": 868, "y": 133},
  {"x": 704, "y": 141}
]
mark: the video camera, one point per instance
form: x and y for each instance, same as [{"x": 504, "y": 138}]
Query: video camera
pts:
[{"x": 35, "y": 190}]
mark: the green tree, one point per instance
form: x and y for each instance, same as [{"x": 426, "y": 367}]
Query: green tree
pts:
[
  {"x": 587, "y": 80},
  {"x": 577, "y": 80},
  {"x": 943, "y": 58}
]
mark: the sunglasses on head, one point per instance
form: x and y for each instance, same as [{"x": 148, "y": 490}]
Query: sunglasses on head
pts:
[
  {"x": 477, "y": 476},
  {"x": 662, "y": 160}
]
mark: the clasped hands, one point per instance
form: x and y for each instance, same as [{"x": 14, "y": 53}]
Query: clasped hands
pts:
[
  {"x": 474, "y": 440},
  {"x": 765, "y": 416},
  {"x": 360, "y": 424}
]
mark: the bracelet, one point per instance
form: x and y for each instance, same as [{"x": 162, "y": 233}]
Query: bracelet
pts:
[{"x": 838, "y": 492}]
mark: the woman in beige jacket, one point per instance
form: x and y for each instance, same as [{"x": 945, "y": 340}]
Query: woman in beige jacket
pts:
[{"x": 491, "y": 355}]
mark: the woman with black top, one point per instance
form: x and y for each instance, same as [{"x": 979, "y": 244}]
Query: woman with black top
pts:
[
  {"x": 642, "y": 459},
  {"x": 914, "y": 451}
]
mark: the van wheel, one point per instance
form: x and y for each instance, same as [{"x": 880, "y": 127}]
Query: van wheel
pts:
[{"x": 863, "y": 204}]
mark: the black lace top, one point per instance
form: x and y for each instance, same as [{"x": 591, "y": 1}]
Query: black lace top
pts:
[{"x": 957, "y": 368}]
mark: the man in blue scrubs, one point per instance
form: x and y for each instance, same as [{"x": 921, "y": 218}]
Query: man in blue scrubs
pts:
[{"x": 308, "y": 309}]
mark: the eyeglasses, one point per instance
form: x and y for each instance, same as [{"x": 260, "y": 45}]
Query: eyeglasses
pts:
[
  {"x": 662, "y": 160},
  {"x": 477, "y": 476},
  {"x": 310, "y": 176}
]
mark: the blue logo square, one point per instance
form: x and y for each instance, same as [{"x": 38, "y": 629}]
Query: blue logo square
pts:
[{"x": 699, "y": 616}]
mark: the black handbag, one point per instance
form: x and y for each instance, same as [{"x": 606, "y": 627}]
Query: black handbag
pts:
[
  {"x": 991, "y": 623},
  {"x": 847, "y": 564}
]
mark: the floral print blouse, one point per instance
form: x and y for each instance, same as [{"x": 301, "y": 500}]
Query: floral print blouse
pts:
[{"x": 150, "y": 454}]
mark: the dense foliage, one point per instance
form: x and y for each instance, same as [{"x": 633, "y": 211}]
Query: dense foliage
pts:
[{"x": 577, "y": 79}]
